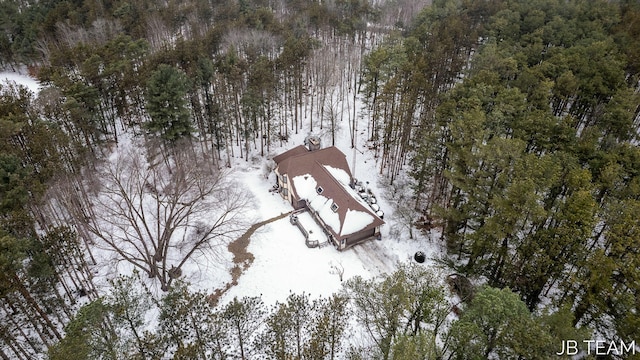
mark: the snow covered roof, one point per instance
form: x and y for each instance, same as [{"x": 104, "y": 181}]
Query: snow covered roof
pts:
[{"x": 322, "y": 178}]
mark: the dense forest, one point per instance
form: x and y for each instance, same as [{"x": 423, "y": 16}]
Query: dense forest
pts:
[{"x": 516, "y": 123}]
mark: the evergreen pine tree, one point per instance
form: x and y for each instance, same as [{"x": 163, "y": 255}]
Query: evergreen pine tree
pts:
[{"x": 167, "y": 104}]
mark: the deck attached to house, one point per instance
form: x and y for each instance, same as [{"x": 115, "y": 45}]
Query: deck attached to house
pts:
[{"x": 313, "y": 233}]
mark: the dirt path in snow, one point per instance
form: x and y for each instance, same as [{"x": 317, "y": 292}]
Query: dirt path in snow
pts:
[{"x": 242, "y": 258}]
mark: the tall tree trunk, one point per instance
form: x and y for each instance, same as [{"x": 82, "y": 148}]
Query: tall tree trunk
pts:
[{"x": 34, "y": 305}]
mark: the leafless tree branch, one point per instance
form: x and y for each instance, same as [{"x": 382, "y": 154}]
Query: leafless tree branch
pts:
[{"x": 157, "y": 215}]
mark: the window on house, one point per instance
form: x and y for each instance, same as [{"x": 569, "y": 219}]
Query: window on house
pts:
[
  {"x": 334, "y": 207},
  {"x": 319, "y": 189},
  {"x": 285, "y": 192},
  {"x": 284, "y": 179}
]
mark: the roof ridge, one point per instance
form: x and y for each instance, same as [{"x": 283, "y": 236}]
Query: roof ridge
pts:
[
  {"x": 349, "y": 197},
  {"x": 334, "y": 176}
]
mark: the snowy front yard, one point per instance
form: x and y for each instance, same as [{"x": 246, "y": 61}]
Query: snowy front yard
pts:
[{"x": 284, "y": 264}]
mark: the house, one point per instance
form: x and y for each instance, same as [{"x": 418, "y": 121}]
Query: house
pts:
[{"x": 321, "y": 183}]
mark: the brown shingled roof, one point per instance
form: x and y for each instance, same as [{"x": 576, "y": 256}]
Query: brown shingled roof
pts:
[
  {"x": 294, "y": 162},
  {"x": 297, "y": 163},
  {"x": 298, "y": 150},
  {"x": 345, "y": 199}
]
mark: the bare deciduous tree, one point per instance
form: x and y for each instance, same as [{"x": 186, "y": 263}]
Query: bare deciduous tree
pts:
[
  {"x": 337, "y": 269},
  {"x": 331, "y": 115},
  {"x": 156, "y": 216},
  {"x": 159, "y": 34},
  {"x": 252, "y": 43}
]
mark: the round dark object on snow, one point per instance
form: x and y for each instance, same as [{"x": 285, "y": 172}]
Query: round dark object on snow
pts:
[{"x": 419, "y": 257}]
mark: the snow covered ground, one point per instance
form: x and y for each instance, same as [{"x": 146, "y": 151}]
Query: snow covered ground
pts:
[
  {"x": 20, "y": 77},
  {"x": 283, "y": 263}
]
